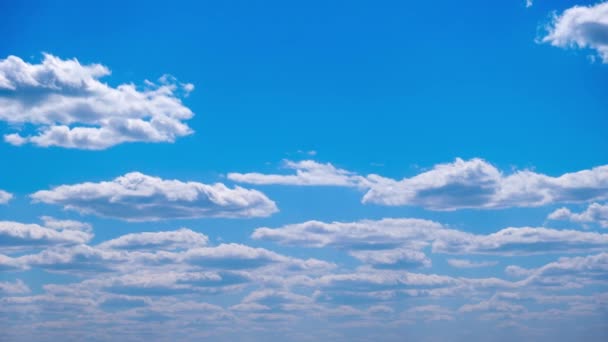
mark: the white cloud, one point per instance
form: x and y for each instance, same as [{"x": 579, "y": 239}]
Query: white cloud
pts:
[
  {"x": 387, "y": 240},
  {"x": 521, "y": 241},
  {"x": 477, "y": 184},
  {"x": 386, "y": 243},
  {"x": 70, "y": 107},
  {"x": 17, "y": 287},
  {"x": 5, "y": 197},
  {"x": 529, "y": 3},
  {"x": 238, "y": 256},
  {"x": 581, "y": 27},
  {"x": 53, "y": 223},
  {"x": 15, "y": 236},
  {"x": 398, "y": 258},
  {"x": 170, "y": 240},
  {"x": 138, "y": 197},
  {"x": 569, "y": 272},
  {"x": 494, "y": 304},
  {"x": 463, "y": 263},
  {"x": 472, "y": 183},
  {"x": 308, "y": 173},
  {"x": 595, "y": 213}
]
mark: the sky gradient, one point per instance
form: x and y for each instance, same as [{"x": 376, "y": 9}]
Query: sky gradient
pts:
[{"x": 296, "y": 171}]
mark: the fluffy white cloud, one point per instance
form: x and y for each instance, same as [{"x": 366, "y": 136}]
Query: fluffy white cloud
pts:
[
  {"x": 581, "y": 27},
  {"x": 179, "y": 239},
  {"x": 5, "y": 197},
  {"x": 472, "y": 183},
  {"x": 595, "y": 213},
  {"x": 138, "y": 197},
  {"x": 463, "y": 263},
  {"x": 16, "y": 236},
  {"x": 477, "y": 184},
  {"x": 68, "y": 106},
  {"x": 308, "y": 173}
]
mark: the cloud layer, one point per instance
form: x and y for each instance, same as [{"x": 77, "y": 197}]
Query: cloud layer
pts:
[
  {"x": 138, "y": 197},
  {"x": 63, "y": 103}
]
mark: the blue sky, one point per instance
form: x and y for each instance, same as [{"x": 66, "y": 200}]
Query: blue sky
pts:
[{"x": 335, "y": 170}]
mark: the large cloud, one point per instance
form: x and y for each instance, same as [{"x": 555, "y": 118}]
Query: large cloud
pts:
[
  {"x": 477, "y": 184},
  {"x": 68, "y": 106},
  {"x": 582, "y": 27},
  {"x": 595, "y": 213},
  {"x": 472, "y": 183},
  {"x": 138, "y": 197}
]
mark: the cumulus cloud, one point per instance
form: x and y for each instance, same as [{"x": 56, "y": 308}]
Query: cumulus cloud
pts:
[
  {"x": 477, "y": 184},
  {"x": 66, "y": 105},
  {"x": 581, "y": 27},
  {"x": 138, "y": 197},
  {"x": 595, "y": 213},
  {"x": 16, "y": 236},
  {"x": 170, "y": 240},
  {"x": 308, "y": 173},
  {"x": 461, "y": 184},
  {"x": 5, "y": 197}
]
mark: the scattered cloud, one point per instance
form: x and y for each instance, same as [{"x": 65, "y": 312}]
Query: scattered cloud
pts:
[
  {"x": 67, "y": 105},
  {"x": 581, "y": 27},
  {"x": 392, "y": 239},
  {"x": 138, "y": 197},
  {"x": 464, "y": 263},
  {"x": 477, "y": 184},
  {"x": 521, "y": 241},
  {"x": 308, "y": 173},
  {"x": 170, "y": 240},
  {"x": 17, "y": 287},
  {"x": 569, "y": 272},
  {"x": 461, "y": 184},
  {"x": 5, "y": 197},
  {"x": 595, "y": 213},
  {"x": 16, "y": 236}
]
